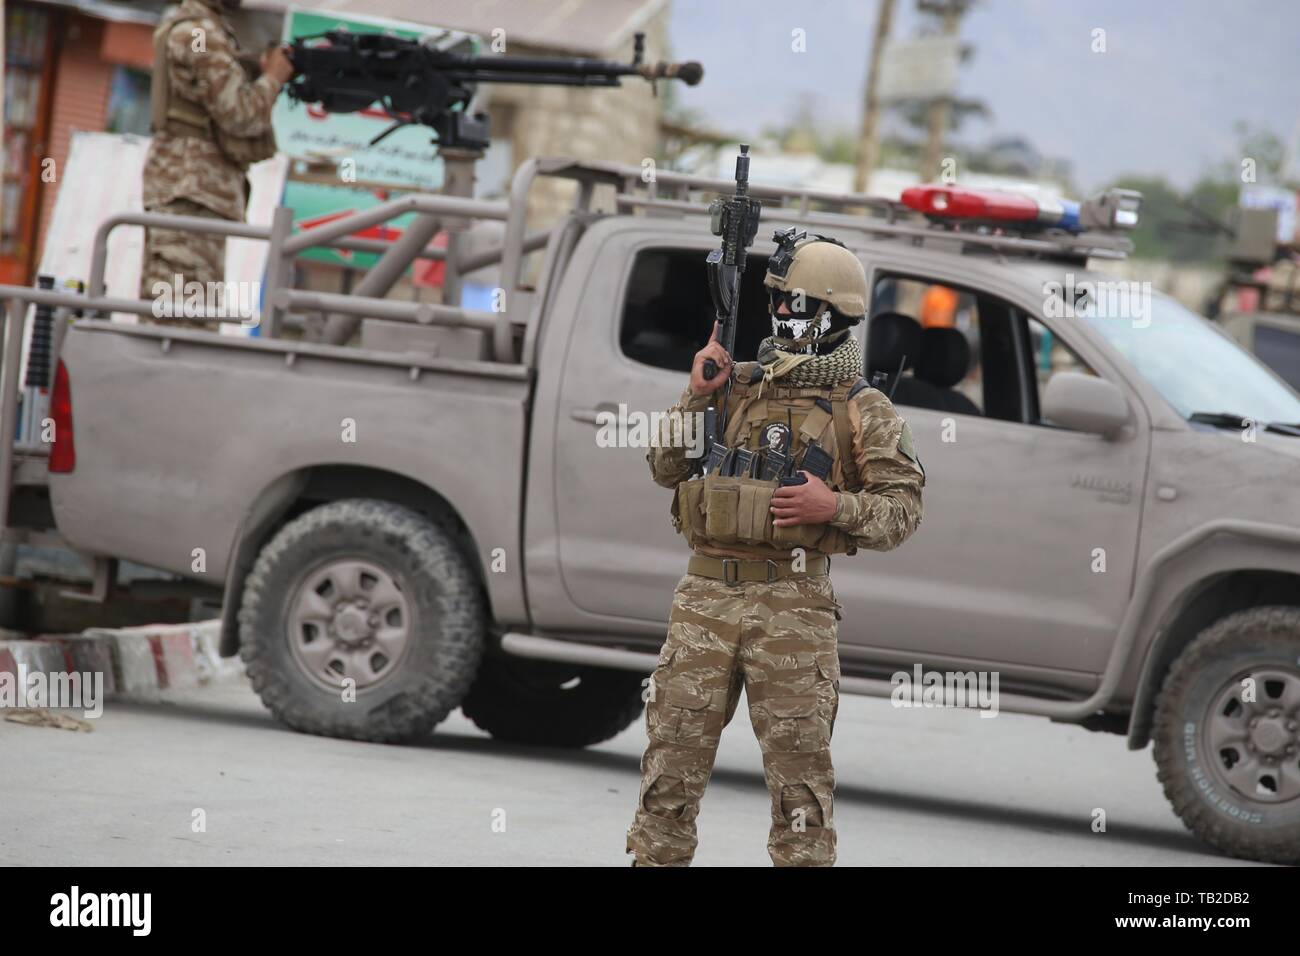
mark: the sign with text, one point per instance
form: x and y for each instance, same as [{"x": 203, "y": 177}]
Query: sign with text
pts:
[{"x": 924, "y": 68}]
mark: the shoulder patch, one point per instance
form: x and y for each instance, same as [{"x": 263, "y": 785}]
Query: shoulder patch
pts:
[
  {"x": 906, "y": 446},
  {"x": 905, "y": 442}
]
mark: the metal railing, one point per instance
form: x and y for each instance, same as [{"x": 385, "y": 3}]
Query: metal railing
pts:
[{"x": 279, "y": 296}]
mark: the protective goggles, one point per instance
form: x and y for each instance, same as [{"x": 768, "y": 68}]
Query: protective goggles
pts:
[{"x": 799, "y": 304}]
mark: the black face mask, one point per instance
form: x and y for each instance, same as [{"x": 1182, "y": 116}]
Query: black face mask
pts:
[{"x": 805, "y": 326}]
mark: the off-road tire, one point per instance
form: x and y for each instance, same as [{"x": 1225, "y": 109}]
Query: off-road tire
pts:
[
  {"x": 1226, "y": 651},
  {"x": 526, "y": 701},
  {"x": 447, "y": 626}
]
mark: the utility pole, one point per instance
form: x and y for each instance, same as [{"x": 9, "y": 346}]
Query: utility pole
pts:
[
  {"x": 865, "y": 160},
  {"x": 951, "y": 11}
]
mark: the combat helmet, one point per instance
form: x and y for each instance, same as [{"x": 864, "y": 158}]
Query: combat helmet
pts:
[{"x": 823, "y": 286}]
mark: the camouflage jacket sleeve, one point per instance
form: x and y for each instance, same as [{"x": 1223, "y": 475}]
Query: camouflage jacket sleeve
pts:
[
  {"x": 201, "y": 58},
  {"x": 679, "y": 429},
  {"x": 885, "y": 512}
]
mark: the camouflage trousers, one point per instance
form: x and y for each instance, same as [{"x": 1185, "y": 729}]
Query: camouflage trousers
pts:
[
  {"x": 778, "y": 642},
  {"x": 195, "y": 257}
]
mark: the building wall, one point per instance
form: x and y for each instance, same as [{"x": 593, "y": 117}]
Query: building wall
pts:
[
  {"x": 617, "y": 124},
  {"x": 89, "y": 51},
  {"x": 81, "y": 86}
]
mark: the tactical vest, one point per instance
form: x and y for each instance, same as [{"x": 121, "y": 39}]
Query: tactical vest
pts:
[
  {"x": 735, "y": 512},
  {"x": 173, "y": 112}
]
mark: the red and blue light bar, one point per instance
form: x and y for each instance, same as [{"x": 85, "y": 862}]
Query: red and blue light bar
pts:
[{"x": 1113, "y": 209}]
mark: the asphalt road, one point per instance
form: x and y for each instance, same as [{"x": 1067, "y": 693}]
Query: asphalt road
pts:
[{"x": 915, "y": 787}]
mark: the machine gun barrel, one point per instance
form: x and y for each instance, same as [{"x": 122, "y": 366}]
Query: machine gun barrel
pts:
[{"x": 575, "y": 71}]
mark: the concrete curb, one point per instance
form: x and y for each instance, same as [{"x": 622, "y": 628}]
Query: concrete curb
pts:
[
  {"x": 136, "y": 662},
  {"x": 207, "y": 654},
  {"x": 84, "y": 653},
  {"x": 173, "y": 652},
  {"x": 183, "y": 655},
  {"x": 32, "y": 656},
  {"x": 135, "y": 669},
  {"x": 43, "y": 669}
]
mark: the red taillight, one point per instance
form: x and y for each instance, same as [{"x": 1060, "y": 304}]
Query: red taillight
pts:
[
  {"x": 63, "y": 453},
  {"x": 952, "y": 203}
]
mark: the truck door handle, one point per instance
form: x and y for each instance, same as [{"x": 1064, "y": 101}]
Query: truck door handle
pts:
[{"x": 590, "y": 415}]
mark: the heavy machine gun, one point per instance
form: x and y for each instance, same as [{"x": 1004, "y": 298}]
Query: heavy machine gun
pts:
[{"x": 417, "y": 82}]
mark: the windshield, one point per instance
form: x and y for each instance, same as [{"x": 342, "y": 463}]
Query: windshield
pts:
[{"x": 1197, "y": 368}]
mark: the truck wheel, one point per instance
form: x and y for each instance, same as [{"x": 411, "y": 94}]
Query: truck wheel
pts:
[
  {"x": 557, "y": 705},
  {"x": 361, "y": 619},
  {"x": 1230, "y": 764}
]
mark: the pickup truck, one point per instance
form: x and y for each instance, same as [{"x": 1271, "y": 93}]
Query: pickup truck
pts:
[{"x": 435, "y": 517}]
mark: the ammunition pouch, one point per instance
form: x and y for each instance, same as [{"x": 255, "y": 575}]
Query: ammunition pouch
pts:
[{"x": 722, "y": 510}]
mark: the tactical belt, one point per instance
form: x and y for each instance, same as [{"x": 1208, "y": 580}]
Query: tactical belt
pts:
[{"x": 737, "y": 570}]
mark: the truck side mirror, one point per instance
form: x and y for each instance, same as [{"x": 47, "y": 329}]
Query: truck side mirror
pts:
[{"x": 1085, "y": 403}]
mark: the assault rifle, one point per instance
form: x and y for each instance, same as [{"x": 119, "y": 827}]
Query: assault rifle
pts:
[
  {"x": 417, "y": 82},
  {"x": 735, "y": 220}
]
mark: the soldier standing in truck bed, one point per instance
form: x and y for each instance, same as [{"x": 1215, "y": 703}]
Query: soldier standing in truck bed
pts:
[
  {"x": 210, "y": 122},
  {"x": 756, "y": 608}
]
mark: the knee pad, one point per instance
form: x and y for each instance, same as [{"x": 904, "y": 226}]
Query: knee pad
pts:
[
  {"x": 800, "y": 807},
  {"x": 665, "y": 797}
]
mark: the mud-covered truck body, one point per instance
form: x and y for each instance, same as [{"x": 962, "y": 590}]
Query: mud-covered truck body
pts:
[{"x": 456, "y": 510}]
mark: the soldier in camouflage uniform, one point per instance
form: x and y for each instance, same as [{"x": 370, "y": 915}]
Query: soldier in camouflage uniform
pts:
[
  {"x": 756, "y": 608},
  {"x": 210, "y": 122}
]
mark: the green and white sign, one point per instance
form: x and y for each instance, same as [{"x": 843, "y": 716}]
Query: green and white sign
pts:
[{"x": 405, "y": 158}]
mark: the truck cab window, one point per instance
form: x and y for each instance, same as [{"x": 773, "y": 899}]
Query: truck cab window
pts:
[
  {"x": 668, "y": 314},
  {"x": 933, "y": 332},
  {"x": 963, "y": 352}
]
